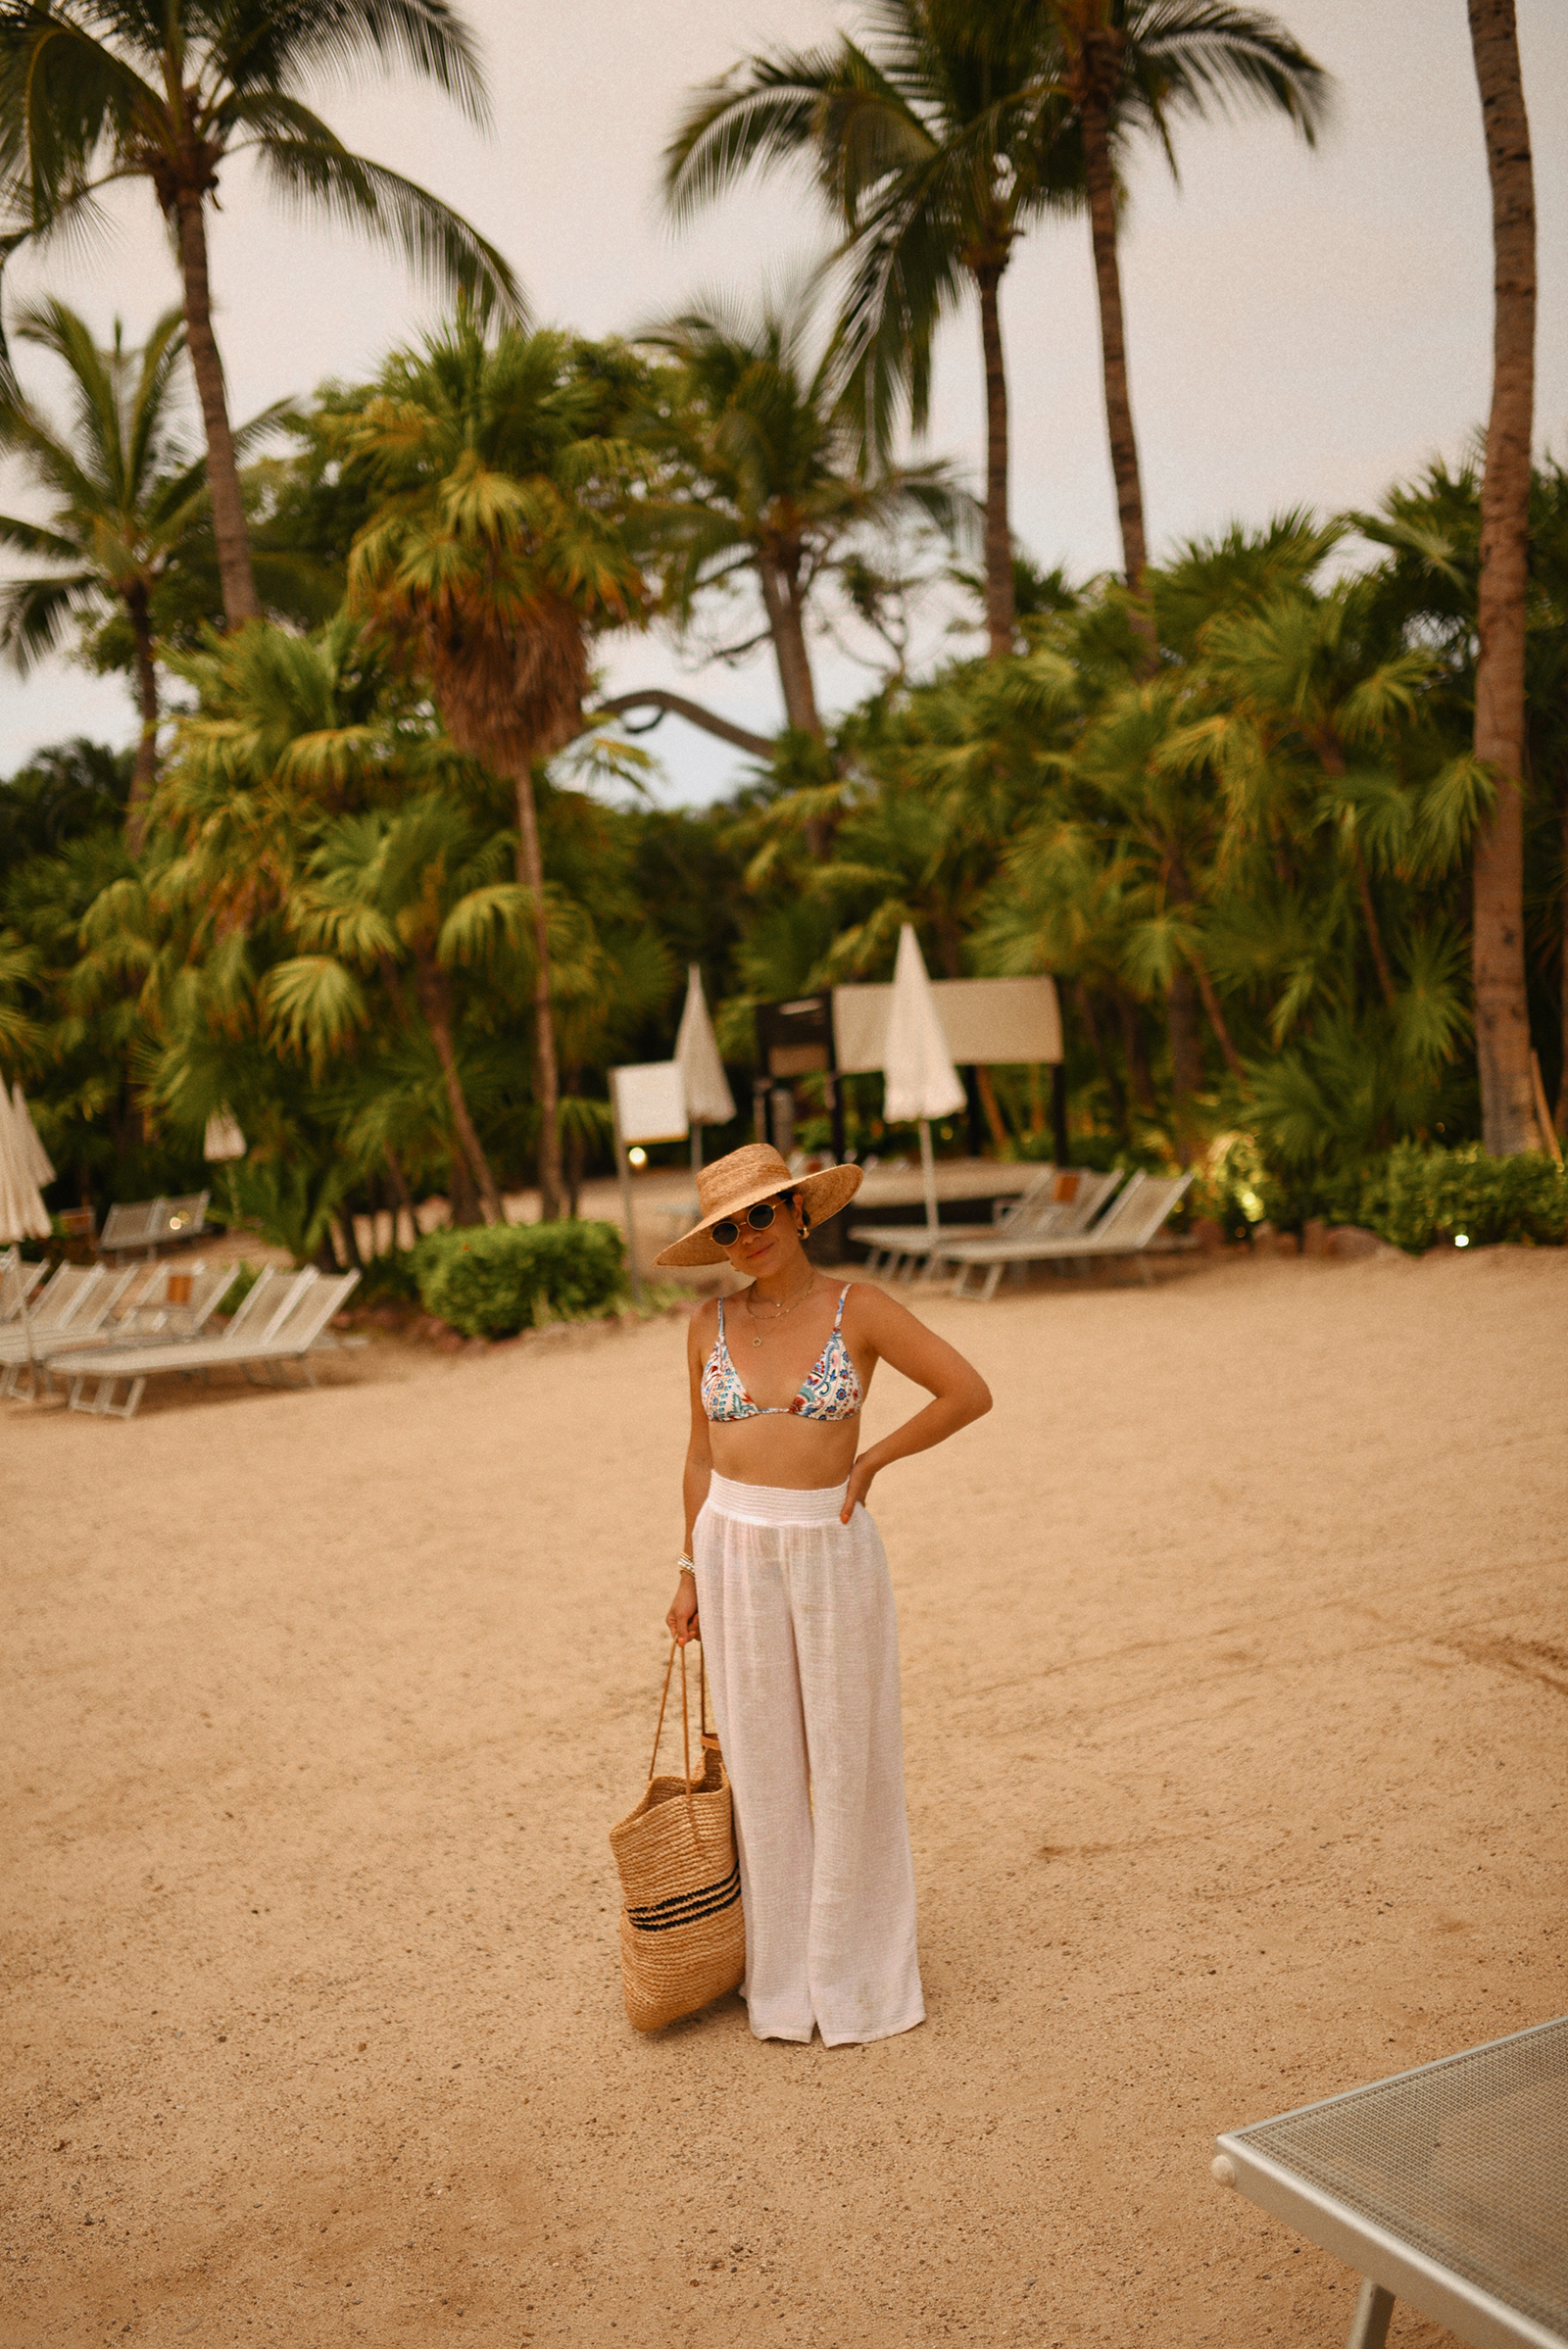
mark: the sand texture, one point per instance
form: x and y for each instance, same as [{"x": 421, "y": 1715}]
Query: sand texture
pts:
[{"x": 1236, "y": 1684}]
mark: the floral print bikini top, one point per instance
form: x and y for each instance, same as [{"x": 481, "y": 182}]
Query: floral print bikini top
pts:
[{"x": 830, "y": 1388}]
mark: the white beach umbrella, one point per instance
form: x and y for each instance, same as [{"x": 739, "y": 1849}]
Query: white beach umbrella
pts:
[
  {"x": 223, "y": 1138},
  {"x": 34, "y": 1156},
  {"x": 919, "y": 1080},
  {"x": 22, "y": 1213},
  {"x": 709, "y": 1100}
]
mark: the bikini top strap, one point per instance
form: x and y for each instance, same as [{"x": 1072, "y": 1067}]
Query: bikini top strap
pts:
[
  {"x": 721, "y": 1324},
  {"x": 838, "y": 1317}
]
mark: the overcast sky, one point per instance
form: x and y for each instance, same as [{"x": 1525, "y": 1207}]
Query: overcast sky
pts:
[{"x": 1304, "y": 327}]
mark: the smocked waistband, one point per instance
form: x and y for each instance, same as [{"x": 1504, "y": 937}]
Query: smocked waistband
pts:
[{"x": 775, "y": 1504}]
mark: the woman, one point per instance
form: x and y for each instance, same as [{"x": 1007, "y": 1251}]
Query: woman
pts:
[{"x": 784, "y": 1579}]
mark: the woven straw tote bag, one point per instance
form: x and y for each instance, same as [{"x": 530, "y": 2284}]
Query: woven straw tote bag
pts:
[{"x": 682, "y": 1931}]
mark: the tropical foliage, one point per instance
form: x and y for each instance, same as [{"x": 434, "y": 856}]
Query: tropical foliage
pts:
[{"x": 382, "y": 882}]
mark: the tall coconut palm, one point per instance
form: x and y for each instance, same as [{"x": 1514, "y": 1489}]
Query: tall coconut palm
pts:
[
  {"x": 937, "y": 145},
  {"x": 498, "y": 549},
  {"x": 1503, "y": 1016},
  {"x": 128, "y": 501},
  {"x": 1133, "y": 67},
  {"x": 94, "y": 92},
  {"x": 768, "y": 477}
]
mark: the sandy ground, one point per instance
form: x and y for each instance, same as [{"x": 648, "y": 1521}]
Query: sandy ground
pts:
[{"x": 1235, "y": 1684}]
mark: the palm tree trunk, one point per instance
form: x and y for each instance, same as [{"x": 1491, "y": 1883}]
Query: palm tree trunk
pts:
[
  {"x": 1185, "y": 1061},
  {"x": 223, "y": 472},
  {"x": 145, "y": 772},
  {"x": 1502, "y": 1020},
  {"x": 1001, "y": 612},
  {"x": 1216, "y": 1020},
  {"x": 436, "y": 1002},
  {"x": 1369, "y": 915},
  {"x": 786, "y": 622},
  {"x": 532, "y": 873},
  {"x": 1114, "y": 1089},
  {"x": 1560, "y": 1114},
  {"x": 1101, "y": 182}
]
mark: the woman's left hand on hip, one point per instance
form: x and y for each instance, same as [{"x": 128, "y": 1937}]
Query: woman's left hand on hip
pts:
[{"x": 856, "y": 1488}]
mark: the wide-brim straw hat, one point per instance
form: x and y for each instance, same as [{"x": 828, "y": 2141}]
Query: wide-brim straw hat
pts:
[{"x": 731, "y": 1185}]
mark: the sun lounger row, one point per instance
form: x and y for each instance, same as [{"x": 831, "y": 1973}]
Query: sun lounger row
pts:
[
  {"x": 1061, "y": 1201},
  {"x": 74, "y": 1309},
  {"x": 1068, "y": 1215},
  {"x": 1125, "y": 1229},
  {"x": 280, "y": 1319}
]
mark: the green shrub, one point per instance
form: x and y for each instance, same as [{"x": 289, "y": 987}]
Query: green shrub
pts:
[
  {"x": 244, "y": 1281},
  {"x": 1413, "y": 1195},
  {"x": 491, "y": 1284},
  {"x": 1416, "y": 1197},
  {"x": 392, "y": 1279}
]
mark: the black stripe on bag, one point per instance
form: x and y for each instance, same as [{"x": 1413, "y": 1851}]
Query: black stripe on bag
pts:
[{"x": 685, "y": 1908}]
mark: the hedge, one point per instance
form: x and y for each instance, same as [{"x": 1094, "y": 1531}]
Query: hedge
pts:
[
  {"x": 493, "y": 1282},
  {"x": 1418, "y": 1197}
]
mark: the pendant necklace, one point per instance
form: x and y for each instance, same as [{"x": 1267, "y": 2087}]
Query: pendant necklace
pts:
[{"x": 782, "y": 1311}]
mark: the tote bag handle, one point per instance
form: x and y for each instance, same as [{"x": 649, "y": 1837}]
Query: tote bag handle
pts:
[{"x": 676, "y": 1649}]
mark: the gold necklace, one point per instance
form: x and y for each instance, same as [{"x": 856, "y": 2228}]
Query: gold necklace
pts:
[{"x": 780, "y": 1312}]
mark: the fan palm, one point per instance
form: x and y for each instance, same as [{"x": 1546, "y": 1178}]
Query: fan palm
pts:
[
  {"x": 770, "y": 484},
  {"x": 93, "y": 92},
  {"x": 1133, "y": 68},
  {"x": 937, "y": 145},
  {"x": 128, "y": 499},
  {"x": 498, "y": 548}
]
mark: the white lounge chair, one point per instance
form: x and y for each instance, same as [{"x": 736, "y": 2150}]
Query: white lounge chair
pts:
[
  {"x": 1126, "y": 1228},
  {"x": 281, "y": 1329},
  {"x": 158, "y": 1316},
  {"x": 80, "y": 1299},
  {"x": 18, "y": 1281},
  {"x": 148, "y": 1223},
  {"x": 1062, "y": 1201}
]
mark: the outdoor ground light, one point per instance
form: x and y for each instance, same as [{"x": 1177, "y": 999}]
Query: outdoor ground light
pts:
[
  {"x": 638, "y": 1156},
  {"x": 1461, "y": 1240}
]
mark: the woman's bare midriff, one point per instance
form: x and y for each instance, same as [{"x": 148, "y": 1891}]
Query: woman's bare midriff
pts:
[{"x": 802, "y": 1455}]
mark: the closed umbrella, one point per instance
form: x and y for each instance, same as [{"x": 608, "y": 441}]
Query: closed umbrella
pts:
[
  {"x": 919, "y": 1080},
  {"x": 22, "y": 1213},
  {"x": 34, "y": 1155},
  {"x": 223, "y": 1138},
  {"x": 709, "y": 1100}
]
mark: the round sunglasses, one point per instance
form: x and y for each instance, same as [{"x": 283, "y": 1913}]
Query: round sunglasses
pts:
[{"x": 759, "y": 1217}]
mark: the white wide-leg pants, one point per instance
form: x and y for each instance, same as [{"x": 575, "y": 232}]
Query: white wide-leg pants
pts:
[{"x": 803, "y": 1656}]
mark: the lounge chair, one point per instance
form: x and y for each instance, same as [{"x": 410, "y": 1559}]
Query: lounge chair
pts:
[
  {"x": 281, "y": 1329},
  {"x": 18, "y": 1281},
  {"x": 150, "y": 1223},
  {"x": 1442, "y": 2186},
  {"x": 80, "y": 1299},
  {"x": 156, "y": 1317},
  {"x": 1062, "y": 1201},
  {"x": 1126, "y": 1228}
]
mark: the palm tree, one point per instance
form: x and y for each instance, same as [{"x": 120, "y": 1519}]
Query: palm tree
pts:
[
  {"x": 768, "y": 477},
  {"x": 129, "y": 502},
  {"x": 93, "y": 92},
  {"x": 937, "y": 145},
  {"x": 1502, "y": 1014},
  {"x": 497, "y": 550},
  {"x": 319, "y": 883},
  {"x": 1136, "y": 66}
]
